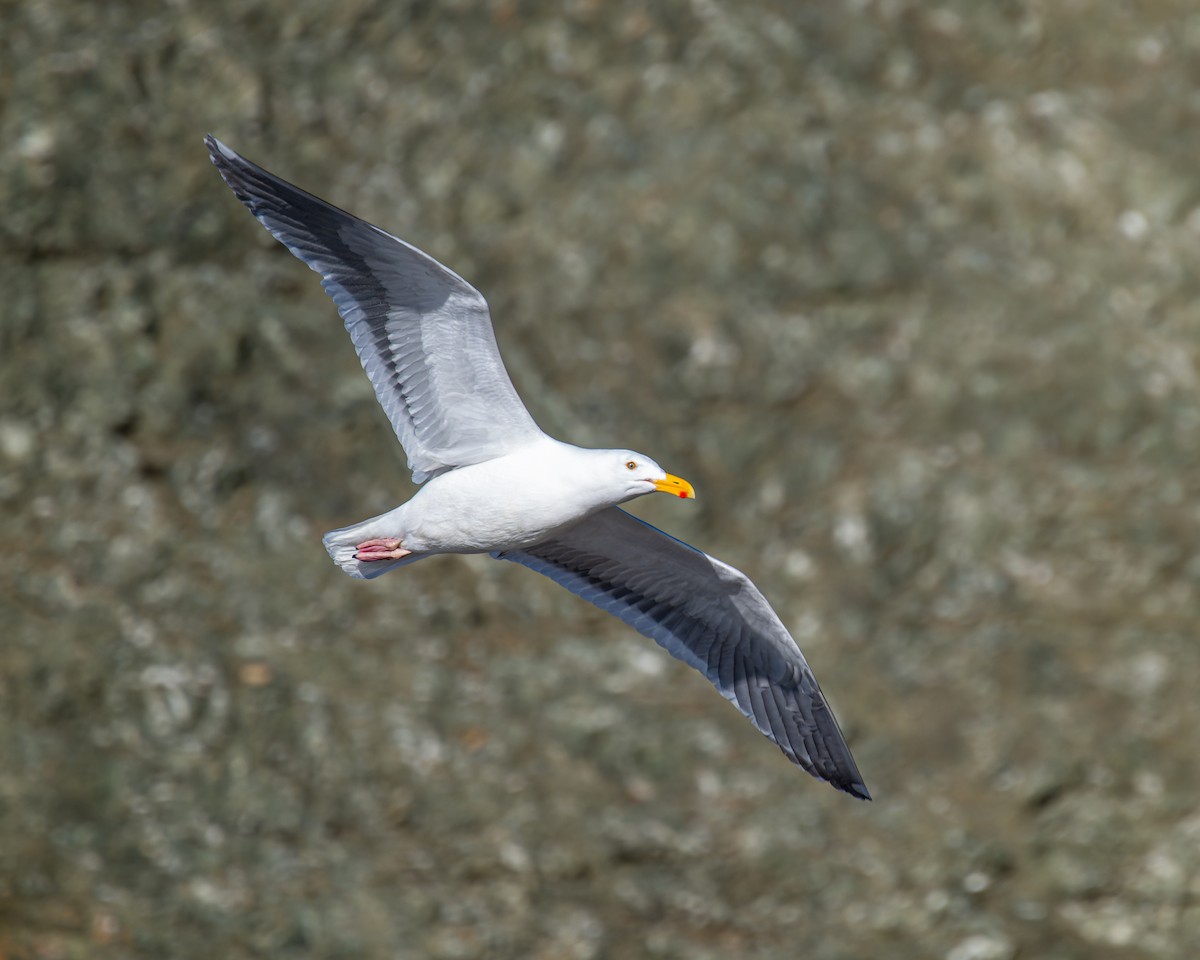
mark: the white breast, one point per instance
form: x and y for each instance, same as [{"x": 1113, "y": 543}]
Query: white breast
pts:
[{"x": 513, "y": 501}]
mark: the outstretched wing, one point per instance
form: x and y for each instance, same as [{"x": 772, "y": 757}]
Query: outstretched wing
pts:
[
  {"x": 710, "y": 616},
  {"x": 423, "y": 333}
]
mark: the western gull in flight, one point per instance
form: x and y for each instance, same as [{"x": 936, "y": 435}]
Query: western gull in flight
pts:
[{"x": 492, "y": 482}]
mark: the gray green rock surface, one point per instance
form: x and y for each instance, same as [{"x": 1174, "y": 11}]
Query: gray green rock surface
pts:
[{"x": 909, "y": 293}]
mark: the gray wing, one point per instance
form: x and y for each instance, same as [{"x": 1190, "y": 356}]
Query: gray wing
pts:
[
  {"x": 710, "y": 616},
  {"x": 423, "y": 333}
]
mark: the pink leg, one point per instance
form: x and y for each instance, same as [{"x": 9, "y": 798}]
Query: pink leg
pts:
[{"x": 380, "y": 549}]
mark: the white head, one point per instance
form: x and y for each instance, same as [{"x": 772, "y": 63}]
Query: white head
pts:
[{"x": 634, "y": 474}]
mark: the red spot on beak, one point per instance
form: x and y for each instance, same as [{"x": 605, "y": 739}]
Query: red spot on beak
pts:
[{"x": 682, "y": 494}]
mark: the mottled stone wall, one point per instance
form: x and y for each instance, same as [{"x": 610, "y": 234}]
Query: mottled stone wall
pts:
[{"x": 908, "y": 292}]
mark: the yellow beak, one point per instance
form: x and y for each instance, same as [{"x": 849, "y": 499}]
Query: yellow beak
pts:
[{"x": 676, "y": 486}]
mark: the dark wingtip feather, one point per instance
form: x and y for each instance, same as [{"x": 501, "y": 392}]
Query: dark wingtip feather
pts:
[
  {"x": 220, "y": 154},
  {"x": 227, "y": 163},
  {"x": 235, "y": 170},
  {"x": 844, "y": 775},
  {"x": 283, "y": 208}
]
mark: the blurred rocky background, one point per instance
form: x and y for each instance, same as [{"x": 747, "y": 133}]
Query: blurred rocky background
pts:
[{"x": 909, "y": 291}]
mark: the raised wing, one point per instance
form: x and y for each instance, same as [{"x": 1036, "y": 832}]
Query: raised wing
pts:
[
  {"x": 422, "y": 332},
  {"x": 710, "y": 616}
]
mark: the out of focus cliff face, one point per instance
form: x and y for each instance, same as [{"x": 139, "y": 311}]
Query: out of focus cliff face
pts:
[{"x": 910, "y": 294}]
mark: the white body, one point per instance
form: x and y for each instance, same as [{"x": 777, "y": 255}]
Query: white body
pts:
[{"x": 514, "y": 501}]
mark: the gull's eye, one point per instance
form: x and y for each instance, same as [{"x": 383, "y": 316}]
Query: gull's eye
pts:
[{"x": 631, "y": 465}]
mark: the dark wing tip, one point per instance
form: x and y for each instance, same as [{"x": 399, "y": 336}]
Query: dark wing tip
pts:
[
  {"x": 304, "y": 223},
  {"x": 834, "y": 762},
  {"x": 238, "y": 172},
  {"x": 798, "y": 719},
  {"x": 856, "y": 788},
  {"x": 836, "y": 768},
  {"x": 222, "y": 157},
  {"x": 838, "y": 765}
]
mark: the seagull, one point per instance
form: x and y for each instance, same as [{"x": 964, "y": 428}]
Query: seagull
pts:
[{"x": 490, "y": 481}]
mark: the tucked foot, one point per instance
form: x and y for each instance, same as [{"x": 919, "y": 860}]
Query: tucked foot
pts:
[{"x": 380, "y": 549}]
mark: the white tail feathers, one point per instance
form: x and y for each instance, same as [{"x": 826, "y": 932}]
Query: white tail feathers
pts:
[{"x": 342, "y": 543}]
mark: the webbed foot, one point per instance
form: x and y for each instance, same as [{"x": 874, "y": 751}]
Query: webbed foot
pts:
[{"x": 382, "y": 548}]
